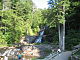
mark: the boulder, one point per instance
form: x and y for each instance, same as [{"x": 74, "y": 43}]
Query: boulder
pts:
[{"x": 30, "y": 39}]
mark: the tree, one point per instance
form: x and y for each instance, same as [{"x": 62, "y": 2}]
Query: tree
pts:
[
  {"x": 19, "y": 20},
  {"x": 72, "y": 24},
  {"x": 59, "y": 18},
  {"x": 15, "y": 20}
]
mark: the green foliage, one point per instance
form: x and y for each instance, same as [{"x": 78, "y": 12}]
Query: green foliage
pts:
[
  {"x": 71, "y": 12},
  {"x": 57, "y": 13},
  {"x": 72, "y": 39},
  {"x": 14, "y": 23},
  {"x": 52, "y": 36},
  {"x": 0, "y": 5},
  {"x": 72, "y": 24},
  {"x": 2, "y": 38},
  {"x": 20, "y": 21}
]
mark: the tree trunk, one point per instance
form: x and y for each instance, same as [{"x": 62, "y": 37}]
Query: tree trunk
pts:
[
  {"x": 61, "y": 30},
  {"x": 59, "y": 35},
  {"x": 63, "y": 48},
  {"x": 64, "y": 28}
]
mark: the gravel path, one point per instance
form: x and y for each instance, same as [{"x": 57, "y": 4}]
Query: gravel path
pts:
[{"x": 63, "y": 56}]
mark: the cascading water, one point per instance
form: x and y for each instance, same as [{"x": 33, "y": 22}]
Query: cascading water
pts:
[{"x": 39, "y": 39}]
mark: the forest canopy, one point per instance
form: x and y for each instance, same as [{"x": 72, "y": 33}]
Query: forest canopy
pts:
[{"x": 20, "y": 18}]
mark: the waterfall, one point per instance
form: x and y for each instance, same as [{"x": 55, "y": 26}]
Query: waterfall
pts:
[{"x": 39, "y": 39}]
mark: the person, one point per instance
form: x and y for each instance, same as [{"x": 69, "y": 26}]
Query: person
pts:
[{"x": 19, "y": 56}]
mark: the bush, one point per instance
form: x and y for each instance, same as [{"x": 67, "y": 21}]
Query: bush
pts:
[
  {"x": 72, "y": 39},
  {"x": 51, "y": 35}
]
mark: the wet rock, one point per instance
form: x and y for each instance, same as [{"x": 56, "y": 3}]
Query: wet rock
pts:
[{"x": 30, "y": 39}]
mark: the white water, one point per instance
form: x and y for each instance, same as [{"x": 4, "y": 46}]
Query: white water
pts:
[{"x": 40, "y": 37}]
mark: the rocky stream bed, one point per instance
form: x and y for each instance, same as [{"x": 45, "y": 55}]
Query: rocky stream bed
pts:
[{"x": 28, "y": 51}]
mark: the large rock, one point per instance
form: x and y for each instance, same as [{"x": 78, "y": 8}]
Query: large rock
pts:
[{"x": 30, "y": 39}]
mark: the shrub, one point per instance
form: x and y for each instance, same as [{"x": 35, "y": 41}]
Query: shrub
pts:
[{"x": 72, "y": 39}]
